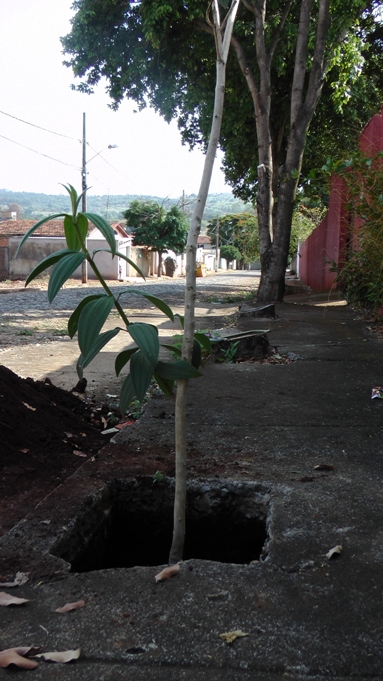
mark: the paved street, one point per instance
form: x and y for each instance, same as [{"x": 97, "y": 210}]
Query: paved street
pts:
[
  {"x": 28, "y": 301},
  {"x": 34, "y": 341}
]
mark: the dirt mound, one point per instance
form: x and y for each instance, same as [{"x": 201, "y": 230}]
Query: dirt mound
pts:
[{"x": 46, "y": 433}]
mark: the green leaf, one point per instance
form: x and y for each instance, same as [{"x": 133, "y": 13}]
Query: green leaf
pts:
[
  {"x": 196, "y": 354},
  {"x": 203, "y": 340},
  {"x": 47, "y": 262},
  {"x": 73, "y": 319},
  {"x": 36, "y": 226},
  {"x": 124, "y": 257},
  {"x": 155, "y": 301},
  {"x": 74, "y": 199},
  {"x": 73, "y": 242},
  {"x": 123, "y": 358},
  {"x": 146, "y": 337},
  {"x": 141, "y": 371},
  {"x": 82, "y": 226},
  {"x": 127, "y": 394},
  {"x": 91, "y": 321},
  {"x": 181, "y": 318},
  {"x": 79, "y": 368},
  {"x": 98, "y": 344},
  {"x": 172, "y": 348},
  {"x": 104, "y": 228},
  {"x": 165, "y": 385},
  {"x": 63, "y": 270},
  {"x": 174, "y": 371}
]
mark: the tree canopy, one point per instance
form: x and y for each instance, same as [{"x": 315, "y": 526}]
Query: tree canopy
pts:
[
  {"x": 238, "y": 230},
  {"x": 157, "y": 228},
  {"x": 160, "y": 53},
  {"x": 230, "y": 253},
  {"x": 285, "y": 58}
]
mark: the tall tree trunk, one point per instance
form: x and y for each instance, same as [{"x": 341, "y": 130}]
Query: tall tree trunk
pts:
[
  {"x": 277, "y": 186},
  {"x": 159, "y": 271},
  {"x": 222, "y": 34}
]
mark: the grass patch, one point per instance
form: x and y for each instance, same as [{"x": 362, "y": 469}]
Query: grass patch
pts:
[
  {"x": 60, "y": 332},
  {"x": 24, "y": 332},
  {"x": 239, "y": 297}
]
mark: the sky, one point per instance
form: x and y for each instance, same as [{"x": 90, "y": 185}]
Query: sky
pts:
[{"x": 35, "y": 88}]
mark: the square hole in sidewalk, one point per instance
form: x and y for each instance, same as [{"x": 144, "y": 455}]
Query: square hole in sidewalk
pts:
[{"x": 130, "y": 523}]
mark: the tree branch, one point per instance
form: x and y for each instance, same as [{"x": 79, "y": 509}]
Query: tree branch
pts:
[
  {"x": 318, "y": 67},
  {"x": 277, "y": 33},
  {"x": 300, "y": 61},
  {"x": 247, "y": 72},
  {"x": 248, "y": 6}
]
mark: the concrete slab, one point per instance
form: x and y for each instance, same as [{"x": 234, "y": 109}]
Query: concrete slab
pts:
[{"x": 305, "y": 616}]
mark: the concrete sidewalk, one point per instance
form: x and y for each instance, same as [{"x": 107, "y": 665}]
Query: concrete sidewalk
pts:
[{"x": 256, "y": 433}]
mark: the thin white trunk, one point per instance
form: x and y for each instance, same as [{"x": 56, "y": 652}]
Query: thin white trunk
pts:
[{"x": 223, "y": 39}]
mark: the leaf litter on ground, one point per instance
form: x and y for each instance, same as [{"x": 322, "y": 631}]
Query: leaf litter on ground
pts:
[
  {"x": 335, "y": 551},
  {"x": 167, "y": 573},
  {"x": 18, "y": 657},
  {"x": 230, "y": 636},
  {"x": 61, "y": 657},
  {"x": 70, "y": 606},
  {"x": 20, "y": 579},
  {"x": 7, "y": 599}
]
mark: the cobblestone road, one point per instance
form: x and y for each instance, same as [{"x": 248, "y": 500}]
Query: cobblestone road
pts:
[
  {"x": 27, "y": 318},
  {"x": 33, "y": 333},
  {"x": 29, "y": 301}
]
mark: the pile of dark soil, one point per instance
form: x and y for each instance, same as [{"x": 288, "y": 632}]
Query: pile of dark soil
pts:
[{"x": 46, "y": 434}]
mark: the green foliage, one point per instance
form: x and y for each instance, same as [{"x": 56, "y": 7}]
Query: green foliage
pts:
[
  {"x": 230, "y": 253},
  {"x": 202, "y": 347},
  {"x": 361, "y": 271},
  {"x": 238, "y": 230},
  {"x": 157, "y": 228},
  {"x": 91, "y": 314},
  {"x": 158, "y": 477},
  {"x": 227, "y": 355},
  {"x": 306, "y": 217},
  {"x": 160, "y": 54}
]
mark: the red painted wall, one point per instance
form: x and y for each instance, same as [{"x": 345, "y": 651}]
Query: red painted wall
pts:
[{"x": 329, "y": 240}]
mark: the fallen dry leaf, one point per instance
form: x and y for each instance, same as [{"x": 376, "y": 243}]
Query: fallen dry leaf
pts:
[
  {"x": 71, "y": 606},
  {"x": 28, "y": 406},
  {"x": 335, "y": 551},
  {"x": 60, "y": 656},
  {"x": 17, "y": 656},
  {"x": 230, "y": 636},
  {"x": 7, "y": 599},
  {"x": 124, "y": 425},
  {"x": 78, "y": 453},
  {"x": 167, "y": 573},
  {"x": 68, "y": 434},
  {"x": 20, "y": 579}
]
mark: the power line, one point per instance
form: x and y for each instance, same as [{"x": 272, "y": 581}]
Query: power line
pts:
[
  {"x": 39, "y": 127},
  {"x": 59, "y": 134},
  {"x": 40, "y": 153}
]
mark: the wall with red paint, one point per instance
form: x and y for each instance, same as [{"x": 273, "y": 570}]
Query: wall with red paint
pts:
[{"x": 328, "y": 242}]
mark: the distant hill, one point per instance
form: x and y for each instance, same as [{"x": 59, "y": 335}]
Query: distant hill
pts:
[{"x": 38, "y": 206}]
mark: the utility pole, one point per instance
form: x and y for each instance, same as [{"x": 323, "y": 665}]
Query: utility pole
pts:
[
  {"x": 84, "y": 266},
  {"x": 217, "y": 245}
]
